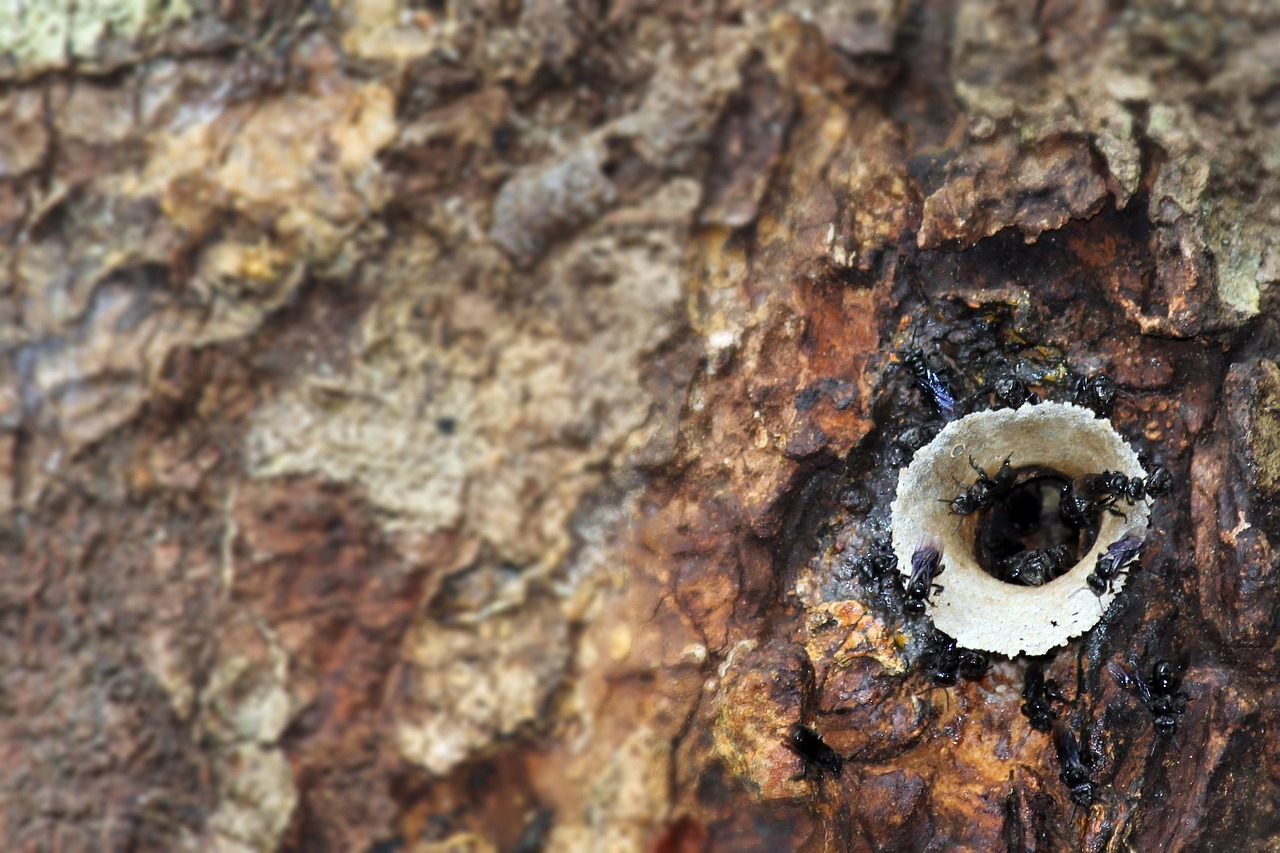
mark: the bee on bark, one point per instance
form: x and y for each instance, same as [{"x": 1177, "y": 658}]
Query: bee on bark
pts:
[
  {"x": 1075, "y": 769},
  {"x": 935, "y": 387},
  {"x": 973, "y": 664},
  {"x": 819, "y": 760},
  {"x": 944, "y": 662},
  {"x": 879, "y": 562},
  {"x": 1011, "y": 392},
  {"x": 926, "y": 564},
  {"x": 1037, "y": 694},
  {"x": 878, "y": 568},
  {"x": 1158, "y": 482},
  {"x": 1096, "y": 391},
  {"x": 1161, "y": 695},
  {"x": 1122, "y": 486},
  {"x": 1133, "y": 489},
  {"x": 912, "y": 439},
  {"x": 941, "y": 660}
]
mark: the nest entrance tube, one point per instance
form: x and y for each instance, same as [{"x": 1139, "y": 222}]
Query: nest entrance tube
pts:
[{"x": 1048, "y": 445}]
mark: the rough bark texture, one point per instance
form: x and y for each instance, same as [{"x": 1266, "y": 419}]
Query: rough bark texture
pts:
[{"x": 451, "y": 425}]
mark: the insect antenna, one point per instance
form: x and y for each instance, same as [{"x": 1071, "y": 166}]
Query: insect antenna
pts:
[{"x": 929, "y": 691}]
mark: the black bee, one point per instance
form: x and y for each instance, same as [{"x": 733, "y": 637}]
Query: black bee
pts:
[
  {"x": 926, "y": 564},
  {"x": 1011, "y": 391},
  {"x": 1134, "y": 489},
  {"x": 941, "y": 660},
  {"x": 1037, "y": 693},
  {"x": 1161, "y": 695},
  {"x": 916, "y": 437},
  {"x": 1075, "y": 771},
  {"x": 877, "y": 565},
  {"x": 944, "y": 662},
  {"x": 973, "y": 664},
  {"x": 819, "y": 759},
  {"x": 985, "y": 491},
  {"x": 1120, "y": 557},
  {"x": 1085, "y": 497},
  {"x": 903, "y": 448},
  {"x": 1096, "y": 391},
  {"x": 1100, "y": 490},
  {"x": 933, "y": 385},
  {"x": 879, "y": 562},
  {"x": 1131, "y": 489},
  {"x": 1159, "y": 481},
  {"x": 1075, "y": 512},
  {"x": 1164, "y": 679},
  {"x": 1035, "y": 567}
]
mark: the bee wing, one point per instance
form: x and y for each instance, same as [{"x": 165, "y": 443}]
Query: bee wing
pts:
[
  {"x": 925, "y": 562},
  {"x": 946, "y": 400},
  {"x": 1033, "y": 682},
  {"x": 1064, "y": 741},
  {"x": 804, "y": 741},
  {"x": 1128, "y": 549},
  {"x": 918, "y": 576},
  {"x": 1091, "y": 487},
  {"x": 1130, "y": 682}
]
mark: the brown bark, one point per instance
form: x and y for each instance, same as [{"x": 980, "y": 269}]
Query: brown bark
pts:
[{"x": 452, "y": 425}]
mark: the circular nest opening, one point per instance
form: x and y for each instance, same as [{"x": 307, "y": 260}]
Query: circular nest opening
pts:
[
  {"x": 1047, "y": 446},
  {"x": 1026, "y": 522}
]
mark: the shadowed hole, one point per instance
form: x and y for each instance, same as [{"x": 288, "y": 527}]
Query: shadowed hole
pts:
[{"x": 1026, "y": 519}]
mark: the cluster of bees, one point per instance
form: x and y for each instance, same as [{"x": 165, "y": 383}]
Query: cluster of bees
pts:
[
  {"x": 1079, "y": 504},
  {"x": 1081, "y": 501}
]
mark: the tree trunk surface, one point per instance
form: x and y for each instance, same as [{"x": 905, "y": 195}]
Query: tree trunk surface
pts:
[{"x": 458, "y": 426}]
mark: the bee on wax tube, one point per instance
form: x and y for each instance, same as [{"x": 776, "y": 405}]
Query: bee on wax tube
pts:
[{"x": 1122, "y": 556}]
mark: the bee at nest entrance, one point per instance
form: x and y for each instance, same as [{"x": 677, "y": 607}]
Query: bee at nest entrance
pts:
[{"x": 1022, "y": 539}]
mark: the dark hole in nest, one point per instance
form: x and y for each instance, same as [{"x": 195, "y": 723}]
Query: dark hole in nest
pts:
[{"x": 1026, "y": 519}]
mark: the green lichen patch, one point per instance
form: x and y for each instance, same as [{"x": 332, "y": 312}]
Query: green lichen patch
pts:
[{"x": 54, "y": 34}]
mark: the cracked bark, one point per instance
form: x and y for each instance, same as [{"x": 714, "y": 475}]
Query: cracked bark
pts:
[{"x": 453, "y": 425}]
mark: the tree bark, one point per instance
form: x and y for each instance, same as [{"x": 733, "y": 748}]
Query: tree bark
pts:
[{"x": 455, "y": 425}]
